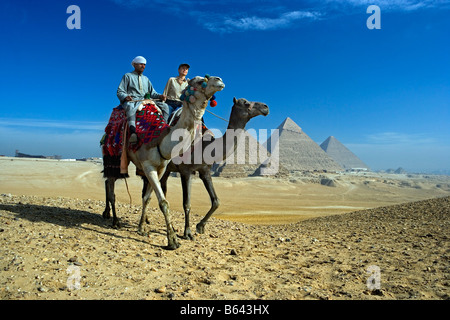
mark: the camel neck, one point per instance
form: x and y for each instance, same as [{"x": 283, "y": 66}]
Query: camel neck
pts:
[
  {"x": 234, "y": 132},
  {"x": 235, "y": 121},
  {"x": 190, "y": 117}
]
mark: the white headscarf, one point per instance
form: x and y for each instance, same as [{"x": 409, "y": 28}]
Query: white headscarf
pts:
[{"x": 139, "y": 59}]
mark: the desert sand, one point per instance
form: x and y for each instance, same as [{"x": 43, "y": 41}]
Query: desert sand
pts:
[{"x": 308, "y": 236}]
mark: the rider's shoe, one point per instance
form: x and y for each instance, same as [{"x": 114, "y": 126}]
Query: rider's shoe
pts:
[{"x": 133, "y": 138}]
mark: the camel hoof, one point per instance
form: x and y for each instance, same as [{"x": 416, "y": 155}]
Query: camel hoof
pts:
[
  {"x": 200, "y": 228},
  {"x": 106, "y": 215},
  {"x": 116, "y": 224},
  {"x": 188, "y": 235},
  {"x": 172, "y": 241},
  {"x": 173, "y": 246}
]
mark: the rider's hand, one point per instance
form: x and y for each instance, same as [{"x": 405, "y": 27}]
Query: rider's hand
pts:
[{"x": 129, "y": 98}]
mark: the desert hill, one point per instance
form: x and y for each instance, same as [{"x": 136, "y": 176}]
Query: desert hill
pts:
[
  {"x": 321, "y": 258},
  {"x": 294, "y": 238}
]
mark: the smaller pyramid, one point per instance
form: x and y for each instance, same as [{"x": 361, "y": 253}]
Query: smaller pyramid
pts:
[{"x": 342, "y": 155}]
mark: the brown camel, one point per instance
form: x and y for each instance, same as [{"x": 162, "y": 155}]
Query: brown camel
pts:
[
  {"x": 153, "y": 160},
  {"x": 241, "y": 112}
]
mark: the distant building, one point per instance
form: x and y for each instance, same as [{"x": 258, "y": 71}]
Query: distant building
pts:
[{"x": 24, "y": 155}]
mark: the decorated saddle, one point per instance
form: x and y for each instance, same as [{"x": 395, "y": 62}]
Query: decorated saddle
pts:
[{"x": 150, "y": 129}]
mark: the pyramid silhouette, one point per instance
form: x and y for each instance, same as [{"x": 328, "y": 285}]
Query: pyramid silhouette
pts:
[
  {"x": 297, "y": 151},
  {"x": 336, "y": 150}
]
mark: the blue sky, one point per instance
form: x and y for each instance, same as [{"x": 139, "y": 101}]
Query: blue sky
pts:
[{"x": 384, "y": 93}]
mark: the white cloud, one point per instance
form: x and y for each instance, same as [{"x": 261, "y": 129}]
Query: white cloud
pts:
[
  {"x": 234, "y": 23},
  {"x": 52, "y": 124},
  {"x": 245, "y": 15},
  {"x": 398, "y": 138},
  {"x": 228, "y": 16},
  {"x": 404, "y": 5}
]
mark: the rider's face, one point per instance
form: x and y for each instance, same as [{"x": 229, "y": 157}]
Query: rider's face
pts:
[
  {"x": 139, "y": 67},
  {"x": 183, "y": 71}
]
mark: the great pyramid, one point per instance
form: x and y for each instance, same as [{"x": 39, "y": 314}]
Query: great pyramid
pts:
[
  {"x": 297, "y": 151},
  {"x": 347, "y": 159}
]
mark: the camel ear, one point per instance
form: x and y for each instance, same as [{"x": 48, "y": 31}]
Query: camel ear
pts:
[{"x": 234, "y": 100}]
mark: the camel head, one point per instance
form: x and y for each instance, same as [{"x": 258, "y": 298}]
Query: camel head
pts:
[
  {"x": 199, "y": 91},
  {"x": 207, "y": 85},
  {"x": 243, "y": 110}
]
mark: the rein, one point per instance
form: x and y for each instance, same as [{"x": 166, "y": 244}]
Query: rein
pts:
[{"x": 216, "y": 115}]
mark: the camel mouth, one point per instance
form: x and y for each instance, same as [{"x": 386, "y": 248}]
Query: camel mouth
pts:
[
  {"x": 264, "y": 109},
  {"x": 219, "y": 84}
]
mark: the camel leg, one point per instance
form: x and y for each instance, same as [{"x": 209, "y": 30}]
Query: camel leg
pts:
[
  {"x": 111, "y": 199},
  {"x": 146, "y": 196},
  {"x": 186, "y": 179},
  {"x": 153, "y": 178},
  {"x": 163, "y": 181},
  {"x": 106, "y": 213},
  {"x": 207, "y": 181}
]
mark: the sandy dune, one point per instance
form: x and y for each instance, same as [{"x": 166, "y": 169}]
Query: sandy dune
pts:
[{"x": 270, "y": 239}]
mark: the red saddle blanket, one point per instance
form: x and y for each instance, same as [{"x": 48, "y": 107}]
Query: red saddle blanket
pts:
[
  {"x": 150, "y": 126},
  {"x": 150, "y": 129}
]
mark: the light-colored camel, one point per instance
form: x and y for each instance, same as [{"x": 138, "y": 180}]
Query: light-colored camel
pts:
[
  {"x": 153, "y": 160},
  {"x": 241, "y": 112}
]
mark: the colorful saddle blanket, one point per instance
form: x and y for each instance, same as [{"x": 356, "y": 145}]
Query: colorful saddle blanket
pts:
[
  {"x": 150, "y": 126},
  {"x": 150, "y": 129}
]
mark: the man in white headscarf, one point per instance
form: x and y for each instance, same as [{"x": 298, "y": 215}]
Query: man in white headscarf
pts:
[{"x": 135, "y": 86}]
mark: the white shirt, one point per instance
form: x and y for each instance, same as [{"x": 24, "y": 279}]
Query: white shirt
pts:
[{"x": 173, "y": 88}]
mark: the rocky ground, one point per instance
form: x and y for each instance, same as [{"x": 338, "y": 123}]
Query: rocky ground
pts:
[{"x": 62, "y": 248}]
